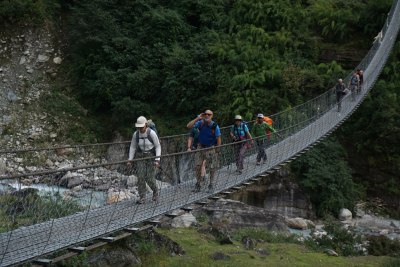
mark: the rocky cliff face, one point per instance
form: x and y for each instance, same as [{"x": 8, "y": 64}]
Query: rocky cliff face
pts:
[
  {"x": 281, "y": 194},
  {"x": 29, "y": 63}
]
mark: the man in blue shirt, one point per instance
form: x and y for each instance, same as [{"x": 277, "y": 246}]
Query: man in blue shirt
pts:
[
  {"x": 239, "y": 132},
  {"x": 209, "y": 137}
]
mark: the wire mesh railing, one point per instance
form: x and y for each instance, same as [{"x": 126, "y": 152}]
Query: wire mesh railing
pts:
[{"x": 52, "y": 198}]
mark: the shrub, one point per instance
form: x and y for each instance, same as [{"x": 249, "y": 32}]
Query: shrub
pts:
[
  {"x": 383, "y": 246},
  {"x": 267, "y": 236},
  {"x": 14, "y": 11},
  {"x": 344, "y": 241}
]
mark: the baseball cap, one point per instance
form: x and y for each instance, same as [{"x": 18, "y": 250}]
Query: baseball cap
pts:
[
  {"x": 140, "y": 122},
  {"x": 260, "y": 116}
]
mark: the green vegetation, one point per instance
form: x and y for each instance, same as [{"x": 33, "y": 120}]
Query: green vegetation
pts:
[
  {"x": 156, "y": 58},
  {"x": 371, "y": 135},
  {"x": 199, "y": 248},
  {"x": 343, "y": 241},
  {"x": 266, "y": 236},
  {"x": 15, "y": 11},
  {"x": 324, "y": 173},
  {"x": 381, "y": 245},
  {"x": 28, "y": 208}
]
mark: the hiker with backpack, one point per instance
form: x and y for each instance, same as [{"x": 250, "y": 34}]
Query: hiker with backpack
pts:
[
  {"x": 239, "y": 132},
  {"x": 353, "y": 85},
  {"x": 209, "y": 138},
  {"x": 144, "y": 144},
  {"x": 361, "y": 77},
  {"x": 261, "y": 131},
  {"x": 340, "y": 92}
]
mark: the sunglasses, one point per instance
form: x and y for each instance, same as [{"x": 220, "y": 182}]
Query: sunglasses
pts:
[{"x": 208, "y": 114}]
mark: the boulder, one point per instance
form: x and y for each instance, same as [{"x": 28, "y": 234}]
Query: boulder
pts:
[
  {"x": 299, "y": 223},
  {"x": 57, "y": 60},
  {"x": 131, "y": 181},
  {"x": 184, "y": 221},
  {"x": 345, "y": 215},
  {"x": 249, "y": 243},
  {"x": 235, "y": 214},
  {"x": 117, "y": 196}
]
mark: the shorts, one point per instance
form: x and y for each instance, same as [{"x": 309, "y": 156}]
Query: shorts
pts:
[{"x": 210, "y": 156}]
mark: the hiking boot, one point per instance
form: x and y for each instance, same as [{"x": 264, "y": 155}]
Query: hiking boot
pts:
[
  {"x": 258, "y": 163},
  {"x": 140, "y": 201},
  {"x": 196, "y": 188},
  {"x": 155, "y": 196},
  {"x": 238, "y": 171},
  {"x": 210, "y": 188}
]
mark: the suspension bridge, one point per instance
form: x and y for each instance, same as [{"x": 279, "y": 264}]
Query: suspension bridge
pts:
[{"x": 25, "y": 236}]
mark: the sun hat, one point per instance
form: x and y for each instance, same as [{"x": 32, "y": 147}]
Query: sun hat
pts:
[
  {"x": 140, "y": 122},
  {"x": 238, "y": 117},
  {"x": 260, "y": 116}
]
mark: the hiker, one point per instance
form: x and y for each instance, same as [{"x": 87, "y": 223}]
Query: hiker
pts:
[
  {"x": 239, "y": 132},
  {"x": 260, "y": 132},
  {"x": 340, "y": 92},
  {"x": 209, "y": 137},
  {"x": 361, "y": 77},
  {"x": 145, "y": 143},
  {"x": 354, "y": 82},
  {"x": 192, "y": 142}
]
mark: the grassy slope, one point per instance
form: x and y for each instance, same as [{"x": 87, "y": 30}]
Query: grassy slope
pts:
[{"x": 199, "y": 247}]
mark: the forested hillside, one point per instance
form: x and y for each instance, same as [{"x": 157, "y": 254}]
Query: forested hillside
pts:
[
  {"x": 168, "y": 60},
  {"x": 171, "y": 59}
]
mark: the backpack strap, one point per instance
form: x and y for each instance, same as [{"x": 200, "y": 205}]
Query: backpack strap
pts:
[
  {"x": 213, "y": 126},
  {"x": 236, "y": 129},
  {"x": 148, "y": 136}
]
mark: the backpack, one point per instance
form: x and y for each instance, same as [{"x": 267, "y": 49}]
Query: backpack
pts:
[
  {"x": 213, "y": 126},
  {"x": 148, "y": 136},
  {"x": 354, "y": 80},
  {"x": 152, "y": 125},
  {"x": 268, "y": 120}
]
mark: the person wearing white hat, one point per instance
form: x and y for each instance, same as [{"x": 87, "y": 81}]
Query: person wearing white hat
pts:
[
  {"x": 144, "y": 144},
  {"x": 239, "y": 132}
]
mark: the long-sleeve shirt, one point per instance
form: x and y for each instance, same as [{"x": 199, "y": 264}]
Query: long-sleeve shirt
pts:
[
  {"x": 144, "y": 143},
  {"x": 260, "y": 129}
]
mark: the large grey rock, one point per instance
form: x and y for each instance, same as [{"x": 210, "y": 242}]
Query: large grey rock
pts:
[
  {"x": 299, "y": 223},
  {"x": 57, "y": 60},
  {"x": 184, "y": 221},
  {"x": 11, "y": 96},
  {"x": 131, "y": 181},
  {"x": 235, "y": 214},
  {"x": 42, "y": 58},
  {"x": 345, "y": 215},
  {"x": 281, "y": 195},
  {"x": 113, "y": 257}
]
